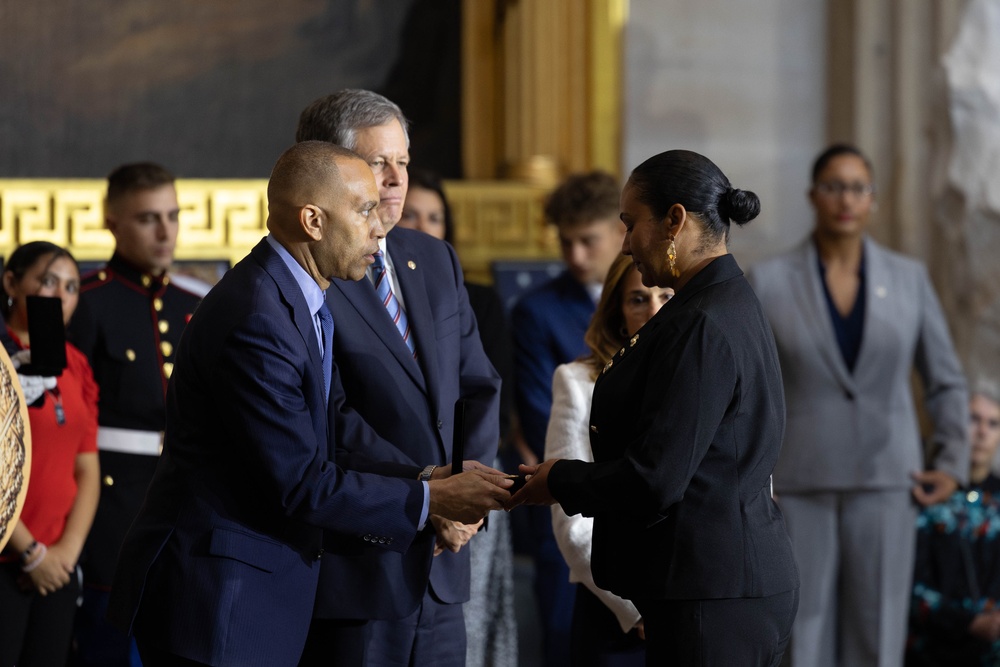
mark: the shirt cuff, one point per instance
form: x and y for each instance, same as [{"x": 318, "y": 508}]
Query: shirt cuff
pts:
[{"x": 427, "y": 506}]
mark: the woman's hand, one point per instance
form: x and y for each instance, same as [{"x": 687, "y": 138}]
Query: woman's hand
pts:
[
  {"x": 53, "y": 572},
  {"x": 933, "y": 486},
  {"x": 986, "y": 626},
  {"x": 536, "y": 490}
]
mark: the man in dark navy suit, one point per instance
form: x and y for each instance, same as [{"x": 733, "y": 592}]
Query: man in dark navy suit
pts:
[
  {"x": 548, "y": 324},
  {"x": 222, "y": 564},
  {"x": 408, "y": 349}
]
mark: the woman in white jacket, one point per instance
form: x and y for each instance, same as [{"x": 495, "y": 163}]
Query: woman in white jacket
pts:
[{"x": 606, "y": 630}]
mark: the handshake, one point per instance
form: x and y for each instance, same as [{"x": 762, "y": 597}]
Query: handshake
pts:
[{"x": 470, "y": 495}]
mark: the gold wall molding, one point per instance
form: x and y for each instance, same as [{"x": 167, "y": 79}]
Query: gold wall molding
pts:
[{"x": 224, "y": 219}]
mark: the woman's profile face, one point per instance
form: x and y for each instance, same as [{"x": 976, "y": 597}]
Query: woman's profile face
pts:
[
  {"x": 842, "y": 197},
  {"x": 639, "y": 303},
  {"x": 984, "y": 426},
  {"x": 423, "y": 210},
  {"x": 645, "y": 239}
]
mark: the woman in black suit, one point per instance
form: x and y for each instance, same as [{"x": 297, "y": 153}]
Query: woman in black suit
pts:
[{"x": 686, "y": 426}]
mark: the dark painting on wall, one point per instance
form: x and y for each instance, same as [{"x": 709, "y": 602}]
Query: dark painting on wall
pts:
[{"x": 209, "y": 88}]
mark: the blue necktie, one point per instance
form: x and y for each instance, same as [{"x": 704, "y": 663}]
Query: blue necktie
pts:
[
  {"x": 326, "y": 324},
  {"x": 396, "y": 312}
]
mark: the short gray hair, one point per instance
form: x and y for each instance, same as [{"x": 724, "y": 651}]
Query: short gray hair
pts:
[
  {"x": 986, "y": 387},
  {"x": 337, "y": 117}
]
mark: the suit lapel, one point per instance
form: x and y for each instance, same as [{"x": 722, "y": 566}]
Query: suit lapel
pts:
[
  {"x": 363, "y": 298},
  {"x": 291, "y": 295},
  {"x": 410, "y": 275},
  {"x": 877, "y": 288},
  {"x": 811, "y": 299}
]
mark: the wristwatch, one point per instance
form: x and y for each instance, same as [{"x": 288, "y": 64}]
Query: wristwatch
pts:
[{"x": 425, "y": 474}]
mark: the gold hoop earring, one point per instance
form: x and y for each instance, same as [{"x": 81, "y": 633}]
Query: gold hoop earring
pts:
[{"x": 672, "y": 259}]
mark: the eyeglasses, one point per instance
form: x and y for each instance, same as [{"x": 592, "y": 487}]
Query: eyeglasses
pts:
[{"x": 837, "y": 189}]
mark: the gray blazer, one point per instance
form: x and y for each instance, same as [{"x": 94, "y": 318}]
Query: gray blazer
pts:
[{"x": 859, "y": 431}]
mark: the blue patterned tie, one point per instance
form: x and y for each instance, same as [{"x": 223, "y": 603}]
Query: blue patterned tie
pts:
[
  {"x": 396, "y": 312},
  {"x": 326, "y": 324}
]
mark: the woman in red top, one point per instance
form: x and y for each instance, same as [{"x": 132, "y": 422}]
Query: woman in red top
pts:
[{"x": 38, "y": 584}]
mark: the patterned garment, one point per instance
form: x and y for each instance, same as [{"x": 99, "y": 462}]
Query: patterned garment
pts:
[{"x": 956, "y": 577}]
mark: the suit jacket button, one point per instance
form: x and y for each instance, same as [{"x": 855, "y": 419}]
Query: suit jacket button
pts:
[
  {"x": 367, "y": 538},
  {"x": 440, "y": 424}
]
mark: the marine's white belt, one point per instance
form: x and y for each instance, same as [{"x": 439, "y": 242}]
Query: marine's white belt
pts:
[{"x": 129, "y": 441}]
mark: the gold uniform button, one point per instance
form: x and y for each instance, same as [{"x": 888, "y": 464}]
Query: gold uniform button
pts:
[
  {"x": 146, "y": 281},
  {"x": 634, "y": 340},
  {"x": 411, "y": 264},
  {"x": 166, "y": 348},
  {"x": 621, "y": 352},
  {"x": 166, "y": 279},
  {"x": 108, "y": 480},
  {"x": 130, "y": 355},
  {"x": 168, "y": 369},
  {"x": 164, "y": 326},
  {"x": 157, "y": 304},
  {"x": 102, "y": 275}
]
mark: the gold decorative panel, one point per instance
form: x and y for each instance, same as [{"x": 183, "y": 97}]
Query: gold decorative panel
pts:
[{"x": 224, "y": 219}]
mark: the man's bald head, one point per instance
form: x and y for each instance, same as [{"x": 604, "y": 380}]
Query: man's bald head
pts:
[
  {"x": 321, "y": 207},
  {"x": 305, "y": 172}
]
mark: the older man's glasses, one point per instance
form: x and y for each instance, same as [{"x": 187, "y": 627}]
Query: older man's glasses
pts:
[{"x": 838, "y": 189}]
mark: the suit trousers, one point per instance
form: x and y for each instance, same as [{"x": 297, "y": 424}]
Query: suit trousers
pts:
[
  {"x": 749, "y": 632},
  {"x": 336, "y": 642},
  {"x": 154, "y": 657},
  {"x": 432, "y": 635},
  {"x": 855, "y": 552}
]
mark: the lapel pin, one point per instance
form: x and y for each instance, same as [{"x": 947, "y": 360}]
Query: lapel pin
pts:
[{"x": 411, "y": 264}]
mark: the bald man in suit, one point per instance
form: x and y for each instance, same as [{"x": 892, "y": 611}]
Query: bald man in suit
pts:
[{"x": 222, "y": 564}]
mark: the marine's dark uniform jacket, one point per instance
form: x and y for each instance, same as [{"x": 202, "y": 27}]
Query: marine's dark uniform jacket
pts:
[{"x": 128, "y": 323}]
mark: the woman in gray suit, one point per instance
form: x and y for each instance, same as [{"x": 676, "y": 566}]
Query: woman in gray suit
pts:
[{"x": 851, "y": 320}]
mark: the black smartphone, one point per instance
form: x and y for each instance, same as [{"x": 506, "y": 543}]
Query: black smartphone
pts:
[
  {"x": 519, "y": 481},
  {"x": 48, "y": 337}
]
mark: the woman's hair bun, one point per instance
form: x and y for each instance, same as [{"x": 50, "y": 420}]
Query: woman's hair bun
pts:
[{"x": 740, "y": 206}]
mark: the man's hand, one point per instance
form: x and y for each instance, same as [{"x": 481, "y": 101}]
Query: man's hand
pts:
[
  {"x": 468, "y": 496},
  {"x": 939, "y": 485},
  {"x": 536, "y": 489},
  {"x": 452, "y": 535},
  {"x": 444, "y": 472}
]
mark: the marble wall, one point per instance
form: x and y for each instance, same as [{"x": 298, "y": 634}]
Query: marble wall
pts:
[
  {"x": 967, "y": 211},
  {"x": 742, "y": 83}
]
